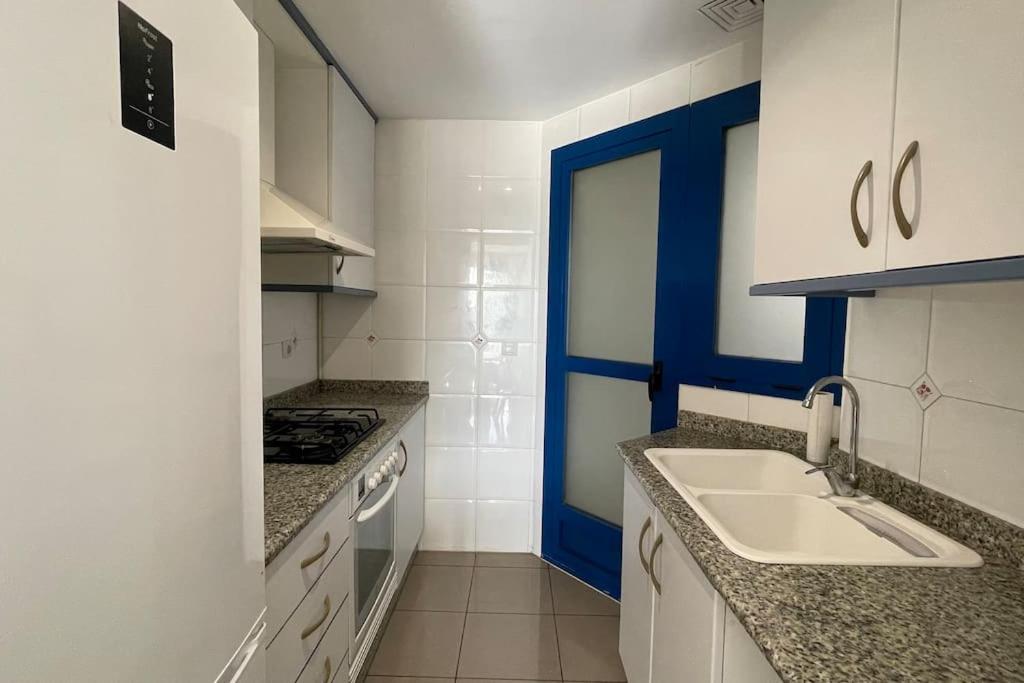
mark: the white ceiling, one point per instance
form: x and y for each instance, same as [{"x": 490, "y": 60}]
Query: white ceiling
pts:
[{"x": 507, "y": 59}]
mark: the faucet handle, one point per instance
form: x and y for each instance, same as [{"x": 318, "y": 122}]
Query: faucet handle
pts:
[{"x": 820, "y": 468}]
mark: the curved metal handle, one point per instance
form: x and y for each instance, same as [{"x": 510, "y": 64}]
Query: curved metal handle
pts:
[
  {"x": 897, "y": 203},
  {"x": 311, "y": 629},
  {"x": 858, "y": 229},
  {"x": 654, "y": 551},
  {"x": 640, "y": 546},
  {"x": 405, "y": 457},
  {"x": 327, "y": 669},
  {"x": 318, "y": 554},
  {"x": 375, "y": 508}
]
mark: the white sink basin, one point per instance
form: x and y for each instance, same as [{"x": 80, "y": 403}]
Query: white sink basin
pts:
[{"x": 764, "y": 508}]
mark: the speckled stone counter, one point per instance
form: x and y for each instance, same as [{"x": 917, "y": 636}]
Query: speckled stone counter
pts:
[
  {"x": 836, "y": 623},
  {"x": 293, "y": 494}
]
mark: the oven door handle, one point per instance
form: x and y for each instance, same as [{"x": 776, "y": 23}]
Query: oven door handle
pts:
[{"x": 369, "y": 512}]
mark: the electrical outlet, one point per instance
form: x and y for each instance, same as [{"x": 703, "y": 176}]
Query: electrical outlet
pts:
[
  {"x": 509, "y": 349},
  {"x": 287, "y": 348}
]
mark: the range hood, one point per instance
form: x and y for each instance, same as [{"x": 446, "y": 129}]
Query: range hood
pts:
[{"x": 287, "y": 226}]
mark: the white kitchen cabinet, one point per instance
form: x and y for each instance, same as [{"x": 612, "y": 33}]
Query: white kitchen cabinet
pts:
[
  {"x": 409, "y": 508},
  {"x": 960, "y": 94},
  {"x": 826, "y": 110},
  {"x": 268, "y": 135},
  {"x": 744, "y": 662},
  {"x": 637, "y": 600}
]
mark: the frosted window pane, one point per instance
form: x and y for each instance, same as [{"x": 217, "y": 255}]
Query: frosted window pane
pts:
[
  {"x": 754, "y": 327},
  {"x": 601, "y": 412},
  {"x": 613, "y": 259}
]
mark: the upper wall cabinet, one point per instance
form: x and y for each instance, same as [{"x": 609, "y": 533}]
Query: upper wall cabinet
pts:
[{"x": 890, "y": 138}]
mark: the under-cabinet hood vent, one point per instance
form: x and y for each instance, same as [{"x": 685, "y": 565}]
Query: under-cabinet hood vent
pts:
[
  {"x": 730, "y": 15},
  {"x": 287, "y": 226}
]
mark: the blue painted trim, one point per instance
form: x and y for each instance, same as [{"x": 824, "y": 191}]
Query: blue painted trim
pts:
[
  {"x": 322, "y": 289},
  {"x": 853, "y": 285},
  {"x": 303, "y": 24}
]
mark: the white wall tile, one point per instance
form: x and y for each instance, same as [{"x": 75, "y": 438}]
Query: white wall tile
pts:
[
  {"x": 288, "y": 315},
  {"x": 727, "y": 69},
  {"x": 662, "y": 93},
  {"x": 560, "y": 131},
  {"x": 452, "y": 313},
  {"x": 504, "y": 474},
  {"x": 510, "y": 204},
  {"x": 281, "y": 373},
  {"x": 890, "y": 427},
  {"x": 453, "y": 258},
  {"x": 508, "y": 374},
  {"x": 398, "y": 202},
  {"x": 449, "y": 525},
  {"x": 452, "y": 367},
  {"x": 451, "y": 420},
  {"x": 604, "y": 114},
  {"x": 455, "y": 148},
  {"x": 508, "y": 314},
  {"x": 450, "y": 472},
  {"x": 777, "y": 412},
  {"x": 731, "y": 404},
  {"x": 887, "y": 335},
  {"x": 508, "y": 260},
  {"x": 400, "y": 258},
  {"x": 400, "y": 147},
  {"x": 347, "y": 316},
  {"x": 503, "y": 526},
  {"x": 398, "y": 312},
  {"x": 346, "y": 359},
  {"x": 510, "y": 149},
  {"x": 977, "y": 332},
  {"x": 454, "y": 203},
  {"x": 505, "y": 421},
  {"x": 398, "y": 360},
  {"x": 973, "y": 452}
]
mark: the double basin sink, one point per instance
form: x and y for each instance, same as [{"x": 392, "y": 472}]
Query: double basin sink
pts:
[{"x": 763, "y": 507}]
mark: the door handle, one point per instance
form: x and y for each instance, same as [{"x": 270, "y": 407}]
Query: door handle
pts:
[
  {"x": 654, "y": 551},
  {"x": 897, "y": 202},
  {"x": 654, "y": 379},
  {"x": 640, "y": 546}
]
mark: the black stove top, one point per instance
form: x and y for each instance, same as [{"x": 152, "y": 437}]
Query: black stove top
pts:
[{"x": 315, "y": 435}]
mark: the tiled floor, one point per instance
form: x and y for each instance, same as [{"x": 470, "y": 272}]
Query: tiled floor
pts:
[{"x": 497, "y": 617}]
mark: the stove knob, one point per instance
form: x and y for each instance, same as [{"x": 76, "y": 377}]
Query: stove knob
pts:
[
  {"x": 372, "y": 482},
  {"x": 383, "y": 471},
  {"x": 392, "y": 460}
]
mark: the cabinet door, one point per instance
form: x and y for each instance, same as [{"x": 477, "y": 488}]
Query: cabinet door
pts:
[
  {"x": 637, "y": 602},
  {"x": 687, "y": 614},
  {"x": 743, "y": 661},
  {"x": 409, "y": 520},
  {"x": 826, "y": 110},
  {"x": 960, "y": 94}
]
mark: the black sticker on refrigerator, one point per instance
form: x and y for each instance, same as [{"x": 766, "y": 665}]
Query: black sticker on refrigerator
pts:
[{"x": 147, "y": 78}]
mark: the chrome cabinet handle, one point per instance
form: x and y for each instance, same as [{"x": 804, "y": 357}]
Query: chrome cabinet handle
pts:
[
  {"x": 405, "y": 457},
  {"x": 311, "y": 629},
  {"x": 654, "y": 551},
  {"x": 318, "y": 554},
  {"x": 640, "y": 546},
  {"x": 858, "y": 229},
  {"x": 897, "y": 203},
  {"x": 327, "y": 669}
]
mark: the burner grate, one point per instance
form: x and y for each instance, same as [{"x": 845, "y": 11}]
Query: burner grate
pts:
[{"x": 315, "y": 435}]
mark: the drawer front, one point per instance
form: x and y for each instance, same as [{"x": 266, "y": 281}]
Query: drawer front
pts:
[
  {"x": 315, "y": 546},
  {"x": 330, "y": 659},
  {"x": 288, "y": 653}
]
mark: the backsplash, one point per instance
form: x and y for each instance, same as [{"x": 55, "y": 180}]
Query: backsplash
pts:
[{"x": 288, "y": 320}]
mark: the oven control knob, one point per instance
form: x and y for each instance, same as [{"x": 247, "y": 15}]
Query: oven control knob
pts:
[
  {"x": 392, "y": 460},
  {"x": 383, "y": 471},
  {"x": 373, "y": 481}
]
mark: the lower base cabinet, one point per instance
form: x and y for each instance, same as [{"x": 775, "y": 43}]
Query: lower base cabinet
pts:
[{"x": 674, "y": 626}]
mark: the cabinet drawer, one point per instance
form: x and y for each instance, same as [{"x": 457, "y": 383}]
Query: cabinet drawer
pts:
[
  {"x": 287, "y": 580},
  {"x": 330, "y": 659},
  {"x": 288, "y": 653}
]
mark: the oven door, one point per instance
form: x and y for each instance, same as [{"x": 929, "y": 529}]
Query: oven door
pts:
[{"x": 374, "y": 550}]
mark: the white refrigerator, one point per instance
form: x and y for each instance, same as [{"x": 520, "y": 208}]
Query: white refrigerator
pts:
[{"x": 131, "y": 491}]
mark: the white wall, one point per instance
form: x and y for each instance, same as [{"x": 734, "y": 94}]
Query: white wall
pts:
[{"x": 288, "y": 316}]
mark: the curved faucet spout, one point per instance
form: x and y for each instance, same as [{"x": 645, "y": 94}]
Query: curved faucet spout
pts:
[{"x": 851, "y": 391}]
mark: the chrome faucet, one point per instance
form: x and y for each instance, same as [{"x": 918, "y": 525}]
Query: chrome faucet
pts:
[{"x": 842, "y": 484}]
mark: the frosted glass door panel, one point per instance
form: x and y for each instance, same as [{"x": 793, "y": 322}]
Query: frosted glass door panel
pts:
[
  {"x": 600, "y": 412},
  {"x": 753, "y": 327},
  {"x": 613, "y": 259}
]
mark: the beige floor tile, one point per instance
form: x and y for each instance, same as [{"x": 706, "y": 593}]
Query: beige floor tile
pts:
[
  {"x": 519, "y": 646},
  {"x": 589, "y": 647},
  {"x": 510, "y": 590},
  {"x": 408, "y": 679},
  {"x": 574, "y": 597},
  {"x": 437, "y": 589},
  {"x": 501, "y": 680},
  {"x": 440, "y": 557},
  {"x": 420, "y": 644},
  {"x": 508, "y": 560}
]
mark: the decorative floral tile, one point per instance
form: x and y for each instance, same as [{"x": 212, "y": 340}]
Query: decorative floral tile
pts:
[
  {"x": 925, "y": 391},
  {"x": 479, "y": 340},
  {"x": 371, "y": 340}
]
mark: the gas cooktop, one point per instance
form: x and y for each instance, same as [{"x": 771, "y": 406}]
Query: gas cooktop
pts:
[{"x": 315, "y": 435}]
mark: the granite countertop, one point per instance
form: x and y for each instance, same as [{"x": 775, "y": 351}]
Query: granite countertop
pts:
[
  {"x": 845, "y": 623},
  {"x": 293, "y": 494}
]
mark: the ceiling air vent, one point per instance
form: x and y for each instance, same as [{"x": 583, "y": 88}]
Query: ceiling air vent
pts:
[{"x": 730, "y": 15}]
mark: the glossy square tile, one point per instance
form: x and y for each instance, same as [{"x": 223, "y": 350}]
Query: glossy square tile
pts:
[
  {"x": 455, "y": 148},
  {"x": 510, "y": 591},
  {"x": 401, "y": 360},
  {"x": 520, "y": 646},
  {"x": 520, "y": 560},
  {"x": 731, "y": 404},
  {"x": 452, "y": 367},
  {"x": 503, "y": 526},
  {"x": 662, "y": 93},
  {"x": 405, "y": 679},
  {"x": 604, "y": 114},
  {"x": 975, "y": 350},
  {"x": 451, "y": 420},
  {"x": 727, "y": 69},
  {"x": 511, "y": 204},
  {"x": 777, "y": 412},
  {"x": 420, "y": 644},
  {"x": 887, "y": 335},
  {"x": 508, "y": 368},
  {"x": 450, "y": 472},
  {"x": 436, "y": 588},
  {"x": 505, "y": 421},
  {"x": 453, "y": 258},
  {"x": 287, "y": 315},
  {"x": 449, "y": 525},
  {"x": 400, "y": 259},
  {"x": 346, "y": 359},
  {"x": 560, "y": 131},
  {"x": 510, "y": 148},
  {"x": 347, "y": 316},
  {"x": 504, "y": 474},
  {"x": 574, "y": 597},
  {"x": 444, "y": 559},
  {"x": 399, "y": 202},
  {"x": 280, "y": 374},
  {"x": 400, "y": 147},
  {"x": 398, "y": 312},
  {"x": 890, "y": 427},
  {"x": 508, "y": 260},
  {"x": 454, "y": 203},
  {"x": 452, "y": 313},
  {"x": 589, "y": 648},
  {"x": 508, "y": 315}
]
